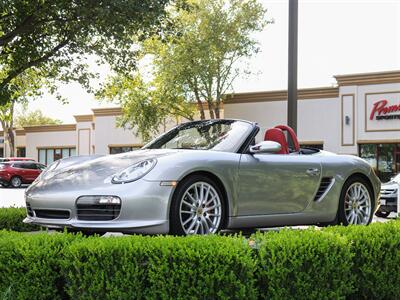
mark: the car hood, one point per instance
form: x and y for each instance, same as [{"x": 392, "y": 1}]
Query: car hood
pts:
[{"x": 95, "y": 170}]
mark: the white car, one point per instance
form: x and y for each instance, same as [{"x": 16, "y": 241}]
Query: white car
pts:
[{"x": 388, "y": 200}]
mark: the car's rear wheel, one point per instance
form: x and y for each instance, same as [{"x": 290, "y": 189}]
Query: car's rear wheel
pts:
[
  {"x": 197, "y": 207},
  {"x": 16, "y": 182},
  {"x": 356, "y": 202}
]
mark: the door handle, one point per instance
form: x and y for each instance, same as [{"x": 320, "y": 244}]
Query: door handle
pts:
[{"x": 312, "y": 172}]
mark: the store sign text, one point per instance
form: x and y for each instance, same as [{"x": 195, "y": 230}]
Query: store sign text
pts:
[{"x": 382, "y": 111}]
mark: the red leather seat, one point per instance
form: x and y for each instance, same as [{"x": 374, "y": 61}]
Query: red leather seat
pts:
[
  {"x": 277, "y": 135},
  {"x": 292, "y": 136}
]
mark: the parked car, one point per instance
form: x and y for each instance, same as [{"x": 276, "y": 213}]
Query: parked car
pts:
[
  {"x": 15, "y": 173},
  {"x": 204, "y": 176},
  {"x": 5, "y": 159},
  {"x": 388, "y": 200}
]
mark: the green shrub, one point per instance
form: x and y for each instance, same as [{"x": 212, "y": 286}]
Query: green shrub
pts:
[
  {"x": 376, "y": 260},
  {"x": 11, "y": 219},
  {"x": 355, "y": 262},
  {"x": 303, "y": 264},
  {"x": 211, "y": 267},
  {"x": 30, "y": 265}
]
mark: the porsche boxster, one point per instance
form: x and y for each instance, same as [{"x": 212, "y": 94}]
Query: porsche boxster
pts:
[{"x": 201, "y": 177}]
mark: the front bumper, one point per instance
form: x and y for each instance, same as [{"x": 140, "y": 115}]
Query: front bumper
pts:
[
  {"x": 388, "y": 204},
  {"x": 144, "y": 207}
]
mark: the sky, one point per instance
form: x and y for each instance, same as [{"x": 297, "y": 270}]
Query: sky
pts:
[{"x": 335, "y": 37}]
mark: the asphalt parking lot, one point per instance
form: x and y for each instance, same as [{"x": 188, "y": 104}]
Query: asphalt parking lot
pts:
[{"x": 12, "y": 197}]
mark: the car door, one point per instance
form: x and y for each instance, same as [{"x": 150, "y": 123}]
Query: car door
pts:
[
  {"x": 276, "y": 183},
  {"x": 18, "y": 169},
  {"x": 31, "y": 171}
]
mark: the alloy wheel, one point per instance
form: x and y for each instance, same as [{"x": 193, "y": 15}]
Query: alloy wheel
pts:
[
  {"x": 200, "y": 209},
  {"x": 357, "y": 204},
  {"x": 16, "y": 182}
]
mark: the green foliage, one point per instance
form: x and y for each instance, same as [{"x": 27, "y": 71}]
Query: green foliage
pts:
[
  {"x": 57, "y": 37},
  {"x": 145, "y": 109},
  {"x": 32, "y": 118},
  {"x": 194, "y": 63},
  {"x": 355, "y": 262},
  {"x": 161, "y": 268},
  {"x": 376, "y": 260},
  {"x": 11, "y": 219},
  {"x": 30, "y": 265},
  {"x": 308, "y": 264}
]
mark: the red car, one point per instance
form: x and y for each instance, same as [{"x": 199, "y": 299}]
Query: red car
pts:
[{"x": 15, "y": 173}]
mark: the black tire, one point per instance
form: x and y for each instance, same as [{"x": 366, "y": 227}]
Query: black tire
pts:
[
  {"x": 174, "y": 217},
  {"x": 16, "y": 182},
  {"x": 341, "y": 213},
  {"x": 382, "y": 214}
]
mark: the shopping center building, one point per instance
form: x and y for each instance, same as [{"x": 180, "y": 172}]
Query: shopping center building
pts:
[{"x": 359, "y": 116}]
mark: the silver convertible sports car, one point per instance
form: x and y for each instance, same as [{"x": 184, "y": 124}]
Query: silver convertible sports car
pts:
[{"x": 201, "y": 177}]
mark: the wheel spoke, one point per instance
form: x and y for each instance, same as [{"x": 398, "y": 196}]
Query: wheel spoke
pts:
[
  {"x": 212, "y": 207},
  {"x": 192, "y": 225},
  {"x": 188, "y": 220},
  {"x": 188, "y": 204}
]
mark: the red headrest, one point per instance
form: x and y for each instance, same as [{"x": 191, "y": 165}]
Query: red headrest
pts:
[
  {"x": 277, "y": 135},
  {"x": 292, "y": 135}
]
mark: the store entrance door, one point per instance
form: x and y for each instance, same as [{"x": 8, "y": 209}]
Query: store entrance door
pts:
[{"x": 384, "y": 158}]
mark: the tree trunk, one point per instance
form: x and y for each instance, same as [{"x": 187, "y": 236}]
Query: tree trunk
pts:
[
  {"x": 211, "y": 109},
  {"x": 7, "y": 123},
  {"x": 217, "y": 110},
  {"x": 10, "y": 138},
  {"x": 201, "y": 109}
]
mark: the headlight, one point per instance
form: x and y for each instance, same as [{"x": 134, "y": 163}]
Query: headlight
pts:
[{"x": 135, "y": 171}]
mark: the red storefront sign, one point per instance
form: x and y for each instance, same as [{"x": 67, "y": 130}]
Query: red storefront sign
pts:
[{"x": 382, "y": 110}]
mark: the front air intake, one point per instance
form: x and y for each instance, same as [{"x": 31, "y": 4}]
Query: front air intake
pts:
[
  {"x": 325, "y": 184},
  {"x": 98, "y": 208}
]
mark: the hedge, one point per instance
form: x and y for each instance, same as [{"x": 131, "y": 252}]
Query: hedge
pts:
[
  {"x": 11, "y": 219},
  {"x": 376, "y": 261},
  {"x": 308, "y": 264},
  {"x": 355, "y": 262}
]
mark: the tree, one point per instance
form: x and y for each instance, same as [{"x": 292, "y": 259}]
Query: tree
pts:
[
  {"x": 197, "y": 61},
  {"x": 146, "y": 106},
  {"x": 28, "y": 85},
  {"x": 34, "y": 118},
  {"x": 58, "y": 36}
]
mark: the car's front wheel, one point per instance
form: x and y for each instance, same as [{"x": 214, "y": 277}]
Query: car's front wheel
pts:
[
  {"x": 356, "y": 202},
  {"x": 16, "y": 182},
  {"x": 197, "y": 207}
]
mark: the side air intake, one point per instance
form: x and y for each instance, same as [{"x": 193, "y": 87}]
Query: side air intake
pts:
[{"x": 326, "y": 183}]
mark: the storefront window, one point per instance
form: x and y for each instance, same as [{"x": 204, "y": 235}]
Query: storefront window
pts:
[
  {"x": 368, "y": 152},
  {"x": 21, "y": 152},
  {"x": 47, "y": 156},
  {"x": 384, "y": 158},
  {"x": 1, "y": 152}
]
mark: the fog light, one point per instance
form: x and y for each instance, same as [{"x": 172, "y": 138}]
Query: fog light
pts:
[{"x": 99, "y": 200}]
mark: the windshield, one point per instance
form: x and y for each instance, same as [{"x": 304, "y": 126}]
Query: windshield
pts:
[{"x": 218, "y": 135}]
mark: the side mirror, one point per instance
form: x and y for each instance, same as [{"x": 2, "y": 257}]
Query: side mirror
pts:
[{"x": 266, "y": 147}]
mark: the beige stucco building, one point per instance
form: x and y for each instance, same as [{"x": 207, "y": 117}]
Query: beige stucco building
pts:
[{"x": 360, "y": 116}]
